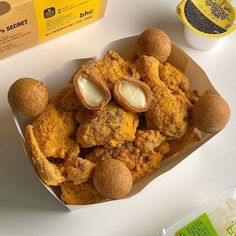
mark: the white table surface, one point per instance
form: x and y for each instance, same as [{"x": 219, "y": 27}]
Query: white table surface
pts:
[{"x": 27, "y": 209}]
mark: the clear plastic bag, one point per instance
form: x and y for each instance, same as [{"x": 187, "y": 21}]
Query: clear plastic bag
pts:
[{"x": 215, "y": 218}]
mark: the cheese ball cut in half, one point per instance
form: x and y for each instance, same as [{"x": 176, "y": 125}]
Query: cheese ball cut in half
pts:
[
  {"x": 210, "y": 113},
  {"x": 154, "y": 42},
  {"x": 91, "y": 90},
  {"x": 133, "y": 95},
  {"x": 112, "y": 179},
  {"x": 28, "y": 97}
]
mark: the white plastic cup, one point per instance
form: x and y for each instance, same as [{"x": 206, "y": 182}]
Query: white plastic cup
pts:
[
  {"x": 206, "y": 23},
  {"x": 199, "y": 42}
]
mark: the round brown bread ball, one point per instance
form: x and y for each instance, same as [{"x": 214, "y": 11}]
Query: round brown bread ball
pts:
[
  {"x": 112, "y": 179},
  {"x": 28, "y": 97},
  {"x": 210, "y": 113},
  {"x": 154, "y": 42}
]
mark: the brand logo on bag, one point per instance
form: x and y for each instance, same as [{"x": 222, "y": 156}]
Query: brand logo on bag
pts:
[
  {"x": 86, "y": 13},
  {"x": 49, "y": 12}
]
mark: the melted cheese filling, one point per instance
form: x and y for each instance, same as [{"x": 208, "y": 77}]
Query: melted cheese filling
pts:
[
  {"x": 90, "y": 91},
  {"x": 133, "y": 94}
]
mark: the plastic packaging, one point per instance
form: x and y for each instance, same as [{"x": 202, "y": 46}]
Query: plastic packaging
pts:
[
  {"x": 215, "y": 218},
  {"x": 206, "y": 22}
]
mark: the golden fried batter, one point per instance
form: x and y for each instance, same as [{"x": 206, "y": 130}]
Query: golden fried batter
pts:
[
  {"x": 112, "y": 67},
  {"x": 193, "y": 96},
  {"x": 178, "y": 83},
  {"x": 83, "y": 115},
  {"x": 168, "y": 112},
  {"x": 79, "y": 170},
  {"x": 112, "y": 133},
  {"x": 74, "y": 168},
  {"x": 140, "y": 163},
  {"x": 50, "y": 173},
  {"x": 176, "y": 146},
  {"x": 111, "y": 127},
  {"x": 69, "y": 101},
  {"x": 173, "y": 78},
  {"x": 127, "y": 153},
  {"x": 147, "y": 163},
  {"x": 81, "y": 194},
  {"x": 54, "y": 129},
  {"x": 148, "y": 140}
]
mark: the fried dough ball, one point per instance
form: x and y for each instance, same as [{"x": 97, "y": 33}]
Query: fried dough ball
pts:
[
  {"x": 211, "y": 113},
  {"x": 112, "y": 179},
  {"x": 28, "y": 97},
  {"x": 154, "y": 42}
]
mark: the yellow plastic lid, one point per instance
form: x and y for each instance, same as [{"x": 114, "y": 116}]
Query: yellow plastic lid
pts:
[{"x": 208, "y": 18}]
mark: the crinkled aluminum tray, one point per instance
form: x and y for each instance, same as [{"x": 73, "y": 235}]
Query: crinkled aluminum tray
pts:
[{"x": 59, "y": 77}]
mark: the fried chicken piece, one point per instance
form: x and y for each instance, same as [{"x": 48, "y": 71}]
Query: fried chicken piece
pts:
[
  {"x": 178, "y": 83},
  {"x": 90, "y": 65},
  {"x": 127, "y": 154},
  {"x": 193, "y": 96},
  {"x": 50, "y": 173},
  {"x": 173, "y": 78},
  {"x": 168, "y": 112},
  {"x": 112, "y": 67},
  {"x": 148, "y": 140},
  {"x": 81, "y": 194},
  {"x": 54, "y": 129},
  {"x": 69, "y": 101},
  {"x": 111, "y": 127},
  {"x": 84, "y": 115},
  {"x": 178, "y": 145},
  {"x": 132, "y": 57},
  {"x": 148, "y": 163},
  {"x": 79, "y": 170},
  {"x": 141, "y": 158}
]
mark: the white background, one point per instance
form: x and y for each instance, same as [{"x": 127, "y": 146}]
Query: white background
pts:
[{"x": 27, "y": 209}]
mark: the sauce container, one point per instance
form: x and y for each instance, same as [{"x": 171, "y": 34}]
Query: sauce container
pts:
[{"x": 206, "y": 22}]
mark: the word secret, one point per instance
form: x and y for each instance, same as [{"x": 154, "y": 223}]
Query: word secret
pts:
[{"x": 14, "y": 26}]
